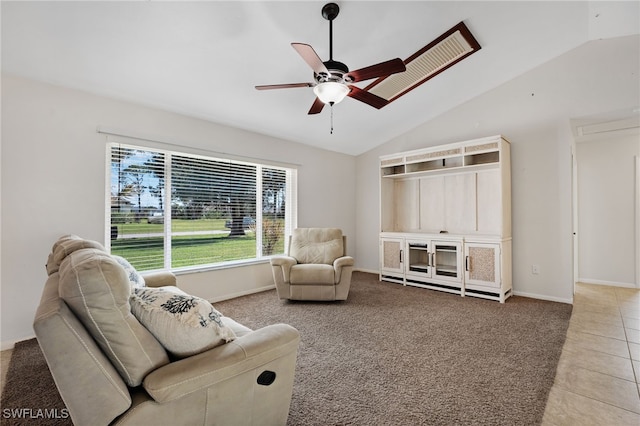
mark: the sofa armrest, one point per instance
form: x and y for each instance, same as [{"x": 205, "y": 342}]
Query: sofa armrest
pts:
[
  {"x": 221, "y": 363},
  {"x": 159, "y": 279},
  {"x": 284, "y": 262},
  {"x": 342, "y": 262}
]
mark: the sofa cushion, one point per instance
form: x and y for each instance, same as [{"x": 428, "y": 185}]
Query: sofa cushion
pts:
[
  {"x": 66, "y": 245},
  {"x": 184, "y": 324},
  {"x": 97, "y": 290},
  {"x": 312, "y": 274},
  {"x": 316, "y": 245},
  {"x": 135, "y": 279}
]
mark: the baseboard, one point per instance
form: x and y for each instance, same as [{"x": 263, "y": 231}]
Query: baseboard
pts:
[
  {"x": 242, "y": 293},
  {"x": 543, "y": 297},
  {"x": 369, "y": 271},
  {"x": 5, "y": 346},
  {"x": 515, "y": 293},
  {"x": 609, "y": 283}
]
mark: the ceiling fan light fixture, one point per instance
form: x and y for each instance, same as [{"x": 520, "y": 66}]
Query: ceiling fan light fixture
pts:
[{"x": 331, "y": 92}]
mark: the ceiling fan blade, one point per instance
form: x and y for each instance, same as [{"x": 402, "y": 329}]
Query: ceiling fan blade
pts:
[
  {"x": 310, "y": 57},
  {"x": 283, "y": 86},
  {"x": 382, "y": 69},
  {"x": 317, "y": 106},
  {"x": 367, "y": 97}
]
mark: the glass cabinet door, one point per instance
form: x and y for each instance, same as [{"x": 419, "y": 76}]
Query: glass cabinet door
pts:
[
  {"x": 418, "y": 262},
  {"x": 447, "y": 260}
]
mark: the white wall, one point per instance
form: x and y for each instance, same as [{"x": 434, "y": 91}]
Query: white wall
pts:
[
  {"x": 533, "y": 112},
  {"x": 53, "y": 171},
  {"x": 606, "y": 210},
  {"x": 53, "y": 183}
]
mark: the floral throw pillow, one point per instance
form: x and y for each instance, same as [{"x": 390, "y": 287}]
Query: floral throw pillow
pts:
[
  {"x": 135, "y": 279},
  {"x": 184, "y": 324}
]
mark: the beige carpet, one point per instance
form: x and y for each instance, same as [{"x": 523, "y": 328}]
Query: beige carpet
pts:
[
  {"x": 393, "y": 355},
  {"x": 30, "y": 391}
]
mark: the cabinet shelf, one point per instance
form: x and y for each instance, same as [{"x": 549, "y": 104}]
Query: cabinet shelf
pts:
[
  {"x": 475, "y": 155},
  {"x": 390, "y": 171},
  {"x": 483, "y": 158},
  {"x": 437, "y": 164},
  {"x": 446, "y": 273}
]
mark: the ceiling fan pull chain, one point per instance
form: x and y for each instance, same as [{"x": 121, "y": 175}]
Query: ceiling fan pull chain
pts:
[{"x": 331, "y": 106}]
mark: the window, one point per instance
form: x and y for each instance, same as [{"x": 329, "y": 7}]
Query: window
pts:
[{"x": 173, "y": 210}]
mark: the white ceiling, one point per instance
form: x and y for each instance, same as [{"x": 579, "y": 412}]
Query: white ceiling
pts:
[{"x": 203, "y": 59}]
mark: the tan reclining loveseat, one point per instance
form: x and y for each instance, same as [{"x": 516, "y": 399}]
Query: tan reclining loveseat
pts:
[{"x": 115, "y": 371}]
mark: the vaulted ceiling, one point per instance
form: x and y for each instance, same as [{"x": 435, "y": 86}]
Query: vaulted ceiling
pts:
[{"x": 203, "y": 59}]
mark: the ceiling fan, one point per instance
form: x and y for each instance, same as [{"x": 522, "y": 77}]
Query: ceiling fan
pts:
[{"x": 332, "y": 79}]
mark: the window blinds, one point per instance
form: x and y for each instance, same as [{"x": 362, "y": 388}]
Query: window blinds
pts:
[{"x": 173, "y": 210}]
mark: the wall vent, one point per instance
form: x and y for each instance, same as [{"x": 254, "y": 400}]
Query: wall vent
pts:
[{"x": 447, "y": 50}]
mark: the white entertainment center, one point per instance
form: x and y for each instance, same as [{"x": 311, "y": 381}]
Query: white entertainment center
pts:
[{"x": 445, "y": 218}]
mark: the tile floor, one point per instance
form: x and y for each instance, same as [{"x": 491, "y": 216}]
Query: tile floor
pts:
[{"x": 598, "y": 377}]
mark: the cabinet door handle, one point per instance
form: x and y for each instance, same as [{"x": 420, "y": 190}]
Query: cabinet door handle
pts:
[
  {"x": 428, "y": 259},
  {"x": 466, "y": 263},
  {"x": 400, "y": 256},
  {"x": 433, "y": 259}
]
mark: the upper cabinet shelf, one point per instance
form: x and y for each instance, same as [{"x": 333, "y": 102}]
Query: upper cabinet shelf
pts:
[
  {"x": 462, "y": 188},
  {"x": 471, "y": 155}
]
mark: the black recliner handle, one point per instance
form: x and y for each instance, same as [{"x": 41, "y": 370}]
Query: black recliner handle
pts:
[{"x": 266, "y": 378}]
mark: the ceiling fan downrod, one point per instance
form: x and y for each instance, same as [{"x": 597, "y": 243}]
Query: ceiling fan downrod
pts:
[
  {"x": 330, "y": 12},
  {"x": 336, "y": 69}
]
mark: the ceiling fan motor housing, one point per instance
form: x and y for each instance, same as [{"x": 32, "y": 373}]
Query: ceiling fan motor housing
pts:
[{"x": 337, "y": 71}]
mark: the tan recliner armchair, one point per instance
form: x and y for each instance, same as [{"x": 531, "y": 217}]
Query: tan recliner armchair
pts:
[
  {"x": 316, "y": 266},
  {"x": 247, "y": 381}
]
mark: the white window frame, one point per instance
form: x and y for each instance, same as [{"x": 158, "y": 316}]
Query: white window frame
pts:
[{"x": 290, "y": 200}]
